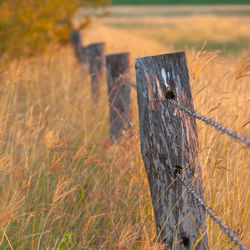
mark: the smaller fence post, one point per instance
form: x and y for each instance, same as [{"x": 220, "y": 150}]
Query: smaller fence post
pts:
[
  {"x": 95, "y": 53},
  {"x": 76, "y": 41},
  {"x": 79, "y": 51},
  {"x": 84, "y": 52},
  {"x": 118, "y": 79}
]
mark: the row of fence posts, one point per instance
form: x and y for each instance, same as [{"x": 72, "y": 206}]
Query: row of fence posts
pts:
[
  {"x": 92, "y": 60},
  {"x": 168, "y": 137}
]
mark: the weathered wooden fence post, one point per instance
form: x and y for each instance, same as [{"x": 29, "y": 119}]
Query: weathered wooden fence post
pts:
[
  {"x": 76, "y": 41},
  {"x": 79, "y": 50},
  {"x": 169, "y": 144},
  {"x": 84, "y": 52},
  {"x": 118, "y": 79},
  {"x": 96, "y": 62}
]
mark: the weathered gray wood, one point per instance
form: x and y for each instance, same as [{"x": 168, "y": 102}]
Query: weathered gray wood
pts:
[
  {"x": 79, "y": 51},
  {"x": 118, "y": 79},
  {"x": 76, "y": 42},
  {"x": 169, "y": 143},
  {"x": 96, "y": 62},
  {"x": 84, "y": 53}
]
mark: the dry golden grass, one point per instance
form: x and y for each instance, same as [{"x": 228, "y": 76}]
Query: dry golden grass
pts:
[
  {"x": 63, "y": 183},
  {"x": 208, "y": 27}
]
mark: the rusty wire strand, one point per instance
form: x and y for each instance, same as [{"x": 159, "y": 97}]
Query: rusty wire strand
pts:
[
  {"x": 214, "y": 217},
  {"x": 206, "y": 120},
  {"x": 193, "y": 194},
  {"x": 210, "y": 122}
]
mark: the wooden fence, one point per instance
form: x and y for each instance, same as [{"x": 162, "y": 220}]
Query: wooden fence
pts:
[{"x": 168, "y": 135}]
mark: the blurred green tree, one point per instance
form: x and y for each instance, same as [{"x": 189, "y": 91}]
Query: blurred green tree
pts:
[{"x": 29, "y": 26}]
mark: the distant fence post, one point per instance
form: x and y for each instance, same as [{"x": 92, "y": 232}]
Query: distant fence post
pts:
[
  {"x": 76, "y": 41},
  {"x": 169, "y": 145},
  {"x": 96, "y": 62},
  {"x": 79, "y": 51},
  {"x": 84, "y": 52},
  {"x": 118, "y": 79}
]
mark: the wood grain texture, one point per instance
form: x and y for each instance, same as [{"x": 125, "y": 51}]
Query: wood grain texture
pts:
[
  {"x": 118, "y": 79},
  {"x": 96, "y": 62},
  {"x": 84, "y": 53},
  {"x": 169, "y": 143}
]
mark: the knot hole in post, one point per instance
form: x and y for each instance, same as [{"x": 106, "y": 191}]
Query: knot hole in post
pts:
[
  {"x": 177, "y": 170},
  {"x": 169, "y": 94},
  {"x": 185, "y": 241},
  {"x": 121, "y": 110}
]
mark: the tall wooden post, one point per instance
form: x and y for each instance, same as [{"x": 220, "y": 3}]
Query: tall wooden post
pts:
[
  {"x": 169, "y": 144},
  {"x": 96, "y": 62},
  {"x": 118, "y": 79}
]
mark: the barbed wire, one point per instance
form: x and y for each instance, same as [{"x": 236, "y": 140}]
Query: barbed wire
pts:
[
  {"x": 194, "y": 195},
  {"x": 210, "y": 122},
  {"x": 204, "y": 119},
  {"x": 214, "y": 217}
]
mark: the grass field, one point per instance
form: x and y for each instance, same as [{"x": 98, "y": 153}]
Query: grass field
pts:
[
  {"x": 180, "y": 26},
  {"x": 64, "y": 185}
]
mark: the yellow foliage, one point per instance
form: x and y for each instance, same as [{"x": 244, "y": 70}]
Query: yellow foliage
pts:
[{"x": 29, "y": 26}]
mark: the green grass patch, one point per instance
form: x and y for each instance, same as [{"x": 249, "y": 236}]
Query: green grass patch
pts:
[
  {"x": 177, "y": 2},
  {"x": 183, "y": 13},
  {"x": 225, "y": 47}
]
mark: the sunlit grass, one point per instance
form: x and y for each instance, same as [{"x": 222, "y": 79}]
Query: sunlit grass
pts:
[{"x": 63, "y": 183}]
